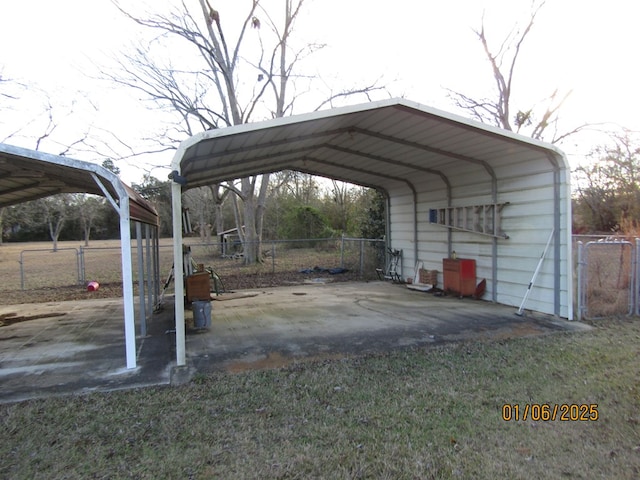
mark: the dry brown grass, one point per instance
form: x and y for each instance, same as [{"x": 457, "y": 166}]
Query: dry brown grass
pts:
[
  {"x": 53, "y": 276},
  {"x": 609, "y": 279},
  {"x": 433, "y": 413}
]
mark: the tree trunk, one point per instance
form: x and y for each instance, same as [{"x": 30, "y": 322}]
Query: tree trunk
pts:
[
  {"x": 54, "y": 231},
  {"x": 218, "y": 199},
  {"x": 87, "y": 234},
  {"x": 251, "y": 244}
]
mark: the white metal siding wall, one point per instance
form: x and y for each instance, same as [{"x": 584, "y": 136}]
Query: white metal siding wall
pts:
[
  {"x": 402, "y": 222},
  {"x": 528, "y": 220}
]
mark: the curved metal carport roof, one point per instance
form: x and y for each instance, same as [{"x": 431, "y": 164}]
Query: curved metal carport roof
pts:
[
  {"x": 27, "y": 175},
  {"x": 392, "y": 145}
]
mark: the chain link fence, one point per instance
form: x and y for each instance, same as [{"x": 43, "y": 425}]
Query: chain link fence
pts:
[
  {"x": 282, "y": 262},
  {"x": 47, "y": 268},
  {"x": 607, "y": 278},
  {"x": 606, "y": 269},
  {"x": 292, "y": 261}
]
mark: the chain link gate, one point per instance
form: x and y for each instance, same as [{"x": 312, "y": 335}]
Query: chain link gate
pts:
[{"x": 607, "y": 279}]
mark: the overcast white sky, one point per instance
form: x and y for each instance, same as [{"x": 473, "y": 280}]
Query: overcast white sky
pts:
[{"x": 420, "y": 46}]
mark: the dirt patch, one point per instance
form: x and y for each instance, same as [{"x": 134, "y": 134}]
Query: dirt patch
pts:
[
  {"x": 519, "y": 330},
  {"x": 275, "y": 360},
  {"x": 7, "y": 319},
  {"x": 60, "y": 294}
]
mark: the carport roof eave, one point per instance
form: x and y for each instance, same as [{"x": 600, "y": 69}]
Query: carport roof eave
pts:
[
  {"x": 76, "y": 176},
  {"x": 253, "y": 132}
]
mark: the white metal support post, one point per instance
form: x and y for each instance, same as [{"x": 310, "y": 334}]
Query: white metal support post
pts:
[
  {"x": 127, "y": 281},
  {"x": 149, "y": 259},
  {"x": 142, "y": 308},
  {"x": 122, "y": 207},
  {"x": 176, "y": 205}
]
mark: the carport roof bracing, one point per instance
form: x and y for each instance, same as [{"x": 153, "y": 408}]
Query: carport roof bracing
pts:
[
  {"x": 395, "y": 146},
  {"x": 29, "y": 175},
  {"x": 374, "y": 145}
]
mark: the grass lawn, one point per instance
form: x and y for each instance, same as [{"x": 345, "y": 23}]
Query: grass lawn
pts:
[{"x": 414, "y": 414}]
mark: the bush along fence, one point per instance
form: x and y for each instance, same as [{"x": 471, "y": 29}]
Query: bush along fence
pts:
[
  {"x": 608, "y": 278},
  {"x": 282, "y": 262}
]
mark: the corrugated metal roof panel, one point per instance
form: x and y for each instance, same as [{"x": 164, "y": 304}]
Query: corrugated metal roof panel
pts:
[{"x": 386, "y": 136}]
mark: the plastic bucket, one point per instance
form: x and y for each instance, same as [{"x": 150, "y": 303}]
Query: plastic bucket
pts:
[{"x": 201, "y": 314}]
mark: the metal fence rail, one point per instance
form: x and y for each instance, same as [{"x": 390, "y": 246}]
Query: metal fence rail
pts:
[
  {"x": 608, "y": 270},
  {"x": 37, "y": 266},
  {"x": 291, "y": 261},
  {"x": 282, "y": 261}
]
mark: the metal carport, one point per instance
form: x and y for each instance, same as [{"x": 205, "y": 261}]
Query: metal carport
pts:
[
  {"x": 27, "y": 175},
  {"x": 435, "y": 168}
]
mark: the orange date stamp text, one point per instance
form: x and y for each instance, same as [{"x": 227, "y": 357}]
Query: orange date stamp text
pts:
[{"x": 545, "y": 412}]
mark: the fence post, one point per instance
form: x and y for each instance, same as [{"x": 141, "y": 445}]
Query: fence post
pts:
[
  {"x": 580, "y": 280},
  {"x": 21, "y": 262},
  {"x": 342, "y": 252},
  {"x": 82, "y": 271},
  {"x": 78, "y": 273},
  {"x": 273, "y": 257},
  {"x": 361, "y": 257},
  {"x": 636, "y": 282}
]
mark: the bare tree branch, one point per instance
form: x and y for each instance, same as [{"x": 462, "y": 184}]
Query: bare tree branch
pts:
[
  {"x": 366, "y": 91},
  {"x": 500, "y": 110},
  {"x": 234, "y": 83}
]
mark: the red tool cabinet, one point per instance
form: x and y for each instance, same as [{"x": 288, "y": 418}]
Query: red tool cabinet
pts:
[{"x": 459, "y": 276}]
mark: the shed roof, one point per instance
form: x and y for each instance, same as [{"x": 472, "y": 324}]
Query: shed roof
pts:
[
  {"x": 27, "y": 175},
  {"x": 371, "y": 144}
]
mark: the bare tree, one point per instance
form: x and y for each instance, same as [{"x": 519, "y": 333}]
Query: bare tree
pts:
[
  {"x": 246, "y": 70},
  {"x": 206, "y": 204},
  {"x": 219, "y": 194},
  {"x": 608, "y": 187},
  {"x": 88, "y": 208},
  {"x": 39, "y": 127},
  {"x": 538, "y": 121},
  {"x": 342, "y": 198},
  {"x": 36, "y": 125},
  {"x": 55, "y": 210}
]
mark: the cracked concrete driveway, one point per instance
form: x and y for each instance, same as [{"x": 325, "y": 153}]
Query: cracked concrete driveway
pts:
[{"x": 78, "y": 347}]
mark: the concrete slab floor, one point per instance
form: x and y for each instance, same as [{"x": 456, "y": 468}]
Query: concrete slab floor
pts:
[
  {"x": 78, "y": 347},
  {"x": 278, "y": 326}
]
